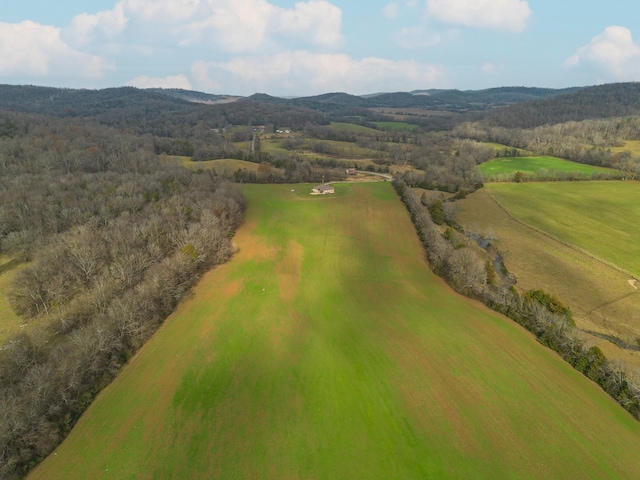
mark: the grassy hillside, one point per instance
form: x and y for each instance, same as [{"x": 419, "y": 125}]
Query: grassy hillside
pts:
[
  {"x": 327, "y": 349},
  {"x": 505, "y": 167},
  {"x": 600, "y": 297},
  {"x": 602, "y": 218}
]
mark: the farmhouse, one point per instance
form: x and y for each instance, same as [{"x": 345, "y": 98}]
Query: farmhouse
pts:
[
  {"x": 323, "y": 189},
  {"x": 351, "y": 171}
]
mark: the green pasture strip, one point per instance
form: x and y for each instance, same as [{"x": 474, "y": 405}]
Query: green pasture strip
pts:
[
  {"x": 327, "y": 349},
  {"x": 500, "y": 147},
  {"x": 498, "y": 167},
  {"x": 602, "y": 218},
  {"x": 396, "y": 126},
  {"x": 352, "y": 127}
]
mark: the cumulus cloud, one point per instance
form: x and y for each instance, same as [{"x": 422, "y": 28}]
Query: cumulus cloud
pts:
[
  {"x": 176, "y": 81},
  {"x": 302, "y": 72},
  {"x": 613, "y": 53},
  {"x": 230, "y": 25},
  {"x": 509, "y": 15},
  {"x": 34, "y": 49},
  {"x": 108, "y": 23}
]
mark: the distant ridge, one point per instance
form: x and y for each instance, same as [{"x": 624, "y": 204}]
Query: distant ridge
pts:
[{"x": 602, "y": 101}]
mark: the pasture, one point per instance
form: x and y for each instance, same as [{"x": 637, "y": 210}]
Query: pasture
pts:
[
  {"x": 396, "y": 126},
  {"x": 504, "y": 168},
  {"x": 602, "y": 218},
  {"x": 327, "y": 349},
  {"x": 600, "y": 296}
]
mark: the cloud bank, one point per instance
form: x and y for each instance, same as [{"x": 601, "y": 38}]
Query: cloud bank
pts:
[{"x": 508, "y": 15}]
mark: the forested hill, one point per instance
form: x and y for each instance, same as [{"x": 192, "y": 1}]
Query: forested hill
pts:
[
  {"x": 155, "y": 111},
  {"x": 603, "y": 101}
]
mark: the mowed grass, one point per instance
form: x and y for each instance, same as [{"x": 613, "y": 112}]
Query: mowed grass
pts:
[
  {"x": 602, "y": 218},
  {"x": 505, "y": 167},
  {"x": 327, "y": 349}
]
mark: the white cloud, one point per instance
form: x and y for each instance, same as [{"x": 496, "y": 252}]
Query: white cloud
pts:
[
  {"x": 230, "y": 25},
  {"x": 390, "y": 11},
  {"x": 319, "y": 19},
  {"x": 305, "y": 73},
  {"x": 613, "y": 52},
  {"x": 510, "y": 15},
  {"x": 163, "y": 10},
  {"x": 34, "y": 49},
  {"x": 176, "y": 81},
  {"x": 108, "y": 23}
]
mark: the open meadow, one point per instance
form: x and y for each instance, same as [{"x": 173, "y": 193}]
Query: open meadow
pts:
[
  {"x": 327, "y": 349},
  {"x": 600, "y": 296},
  {"x": 504, "y": 168}
]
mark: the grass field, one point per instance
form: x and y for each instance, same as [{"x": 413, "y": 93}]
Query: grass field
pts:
[
  {"x": 9, "y": 321},
  {"x": 505, "y": 167},
  {"x": 222, "y": 166},
  {"x": 602, "y": 218},
  {"x": 396, "y": 126},
  {"x": 631, "y": 146},
  {"x": 352, "y": 127},
  {"x": 327, "y": 349},
  {"x": 600, "y": 297},
  {"x": 500, "y": 148}
]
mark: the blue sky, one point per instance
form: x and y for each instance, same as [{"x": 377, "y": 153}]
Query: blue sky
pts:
[{"x": 308, "y": 47}]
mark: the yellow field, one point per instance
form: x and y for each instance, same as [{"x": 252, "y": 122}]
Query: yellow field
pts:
[{"x": 631, "y": 146}]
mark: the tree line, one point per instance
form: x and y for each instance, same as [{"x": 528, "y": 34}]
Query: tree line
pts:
[{"x": 113, "y": 239}]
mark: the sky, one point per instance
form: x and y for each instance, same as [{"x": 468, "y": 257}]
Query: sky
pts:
[{"x": 309, "y": 47}]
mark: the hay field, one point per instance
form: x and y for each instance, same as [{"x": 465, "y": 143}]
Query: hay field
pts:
[
  {"x": 600, "y": 296},
  {"x": 327, "y": 349}
]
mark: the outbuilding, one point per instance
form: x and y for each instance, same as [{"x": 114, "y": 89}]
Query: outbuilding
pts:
[{"x": 323, "y": 189}]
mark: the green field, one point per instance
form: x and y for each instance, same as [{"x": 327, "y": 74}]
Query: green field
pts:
[
  {"x": 352, "y": 127},
  {"x": 396, "y": 126},
  {"x": 327, "y": 349},
  {"x": 499, "y": 147},
  {"x": 600, "y": 296},
  {"x": 221, "y": 166},
  {"x": 602, "y": 218},
  {"x": 503, "y": 168}
]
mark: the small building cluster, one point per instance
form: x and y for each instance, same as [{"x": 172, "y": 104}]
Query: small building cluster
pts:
[
  {"x": 323, "y": 189},
  {"x": 351, "y": 171}
]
